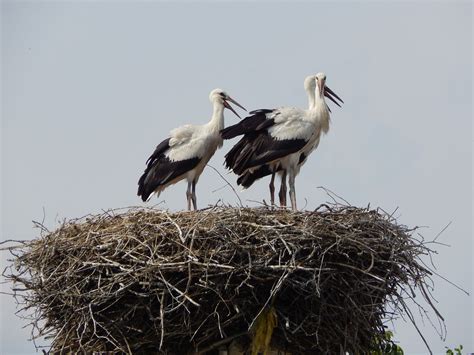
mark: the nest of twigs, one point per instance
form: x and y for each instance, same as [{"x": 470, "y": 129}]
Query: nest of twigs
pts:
[{"x": 145, "y": 280}]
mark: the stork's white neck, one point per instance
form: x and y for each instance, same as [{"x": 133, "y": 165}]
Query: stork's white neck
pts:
[
  {"x": 322, "y": 111},
  {"x": 217, "y": 120},
  {"x": 311, "y": 98},
  {"x": 318, "y": 97}
]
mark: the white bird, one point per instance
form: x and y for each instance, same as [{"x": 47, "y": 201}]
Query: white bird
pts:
[
  {"x": 280, "y": 140},
  {"x": 186, "y": 152}
]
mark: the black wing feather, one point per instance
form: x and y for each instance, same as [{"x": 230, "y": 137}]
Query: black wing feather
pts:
[
  {"x": 160, "y": 170},
  {"x": 248, "y": 178},
  {"x": 256, "y": 121},
  {"x": 259, "y": 148},
  {"x": 160, "y": 149},
  {"x": 256, "y": 147}
]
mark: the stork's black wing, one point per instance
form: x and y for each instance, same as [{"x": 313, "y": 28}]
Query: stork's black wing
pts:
[
  {"x": 161, "y": 170},
  {"x": 159, "y": 150},
  {"x": 248, "y": 178},
  {"x": 256, "y": 121},
  {"x": 259, "y": 148}
]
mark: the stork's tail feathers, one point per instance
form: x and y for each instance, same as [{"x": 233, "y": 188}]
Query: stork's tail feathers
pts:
[
  {"x": 248, "y": 178},
  {"x": 233, "y": 156},
  {"x": 161, "y": 172},
  {"x": 144, "y": 190}
]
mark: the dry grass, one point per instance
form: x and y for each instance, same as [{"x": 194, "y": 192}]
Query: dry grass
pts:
[{"x": 144, "y": 280}]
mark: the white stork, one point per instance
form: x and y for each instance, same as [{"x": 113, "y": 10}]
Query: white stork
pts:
[
  {"x": 250, "y": 176},
  {"x": 186, "y": 152},
  {"x": 280, "y": 140}
]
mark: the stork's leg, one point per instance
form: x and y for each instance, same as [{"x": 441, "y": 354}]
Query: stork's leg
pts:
[
  {"x": 272, "y": 189},
  {"x": 189, "y": 195},
  {"x": 194, "y": 196},
  {"x": 282, "y": 193},
  {"x": 291, "y": 181}
]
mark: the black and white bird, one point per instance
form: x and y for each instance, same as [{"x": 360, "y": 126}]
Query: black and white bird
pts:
[
  {"x": 251, "y": 175},
  {"x": 280, "y": 140},
  {"x": 186, "y": 152}
]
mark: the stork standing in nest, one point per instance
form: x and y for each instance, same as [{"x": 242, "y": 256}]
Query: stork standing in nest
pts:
[
  {"x": 280, "y": 140},
  {"x": 186, "y": 152}
]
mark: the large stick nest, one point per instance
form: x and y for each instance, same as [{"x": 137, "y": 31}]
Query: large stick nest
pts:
[{"x": 147, "y": 280}]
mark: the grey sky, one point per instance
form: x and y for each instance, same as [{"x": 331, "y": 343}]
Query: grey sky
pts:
[{"x": 89, "y": 89}]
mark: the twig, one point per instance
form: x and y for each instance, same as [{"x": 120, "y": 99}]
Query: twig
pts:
[{"x": 228, "y": 184}]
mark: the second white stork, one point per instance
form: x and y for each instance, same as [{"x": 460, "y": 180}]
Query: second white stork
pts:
[
  {"x": 280, "y": 140},
  {"x": 186, "y": 152},
  {"x": 251, "y": 175}
]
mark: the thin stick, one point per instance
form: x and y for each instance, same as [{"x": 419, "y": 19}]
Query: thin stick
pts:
[{"x": 228, "y": 184}]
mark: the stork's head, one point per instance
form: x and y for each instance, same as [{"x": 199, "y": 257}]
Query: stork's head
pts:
[
  {"x": 320, "y": 82},
  {"x": 219, "y": 96},
  {"x": 323, "y": 90}
]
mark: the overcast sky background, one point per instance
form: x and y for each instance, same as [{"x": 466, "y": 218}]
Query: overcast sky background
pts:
[{"x": 89, "y": 89}]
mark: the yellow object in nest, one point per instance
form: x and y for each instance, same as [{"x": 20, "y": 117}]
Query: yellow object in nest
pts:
[{"x": 263, "y": 331}]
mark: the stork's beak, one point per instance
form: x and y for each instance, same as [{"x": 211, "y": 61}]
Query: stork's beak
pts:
[
  {"x": 227, "y": 105},
  {"x": 331, "y": 95}
]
